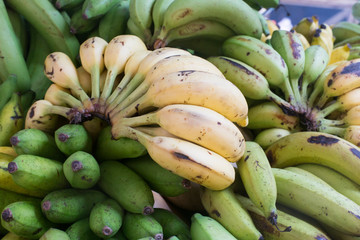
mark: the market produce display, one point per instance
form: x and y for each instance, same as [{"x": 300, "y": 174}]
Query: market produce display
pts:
[{"x": 176, "y": 119}]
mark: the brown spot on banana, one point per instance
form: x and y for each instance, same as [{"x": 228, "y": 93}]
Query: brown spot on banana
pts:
[
  {"x": 322, "y": 140},
  {"x": 216, "y": 212},
  {"x": 353, "y": 68},
  {"x": 6, "y": 215},
  {"x": 184, "y": 13}
]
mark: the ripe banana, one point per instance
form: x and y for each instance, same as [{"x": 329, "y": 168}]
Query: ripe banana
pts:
[
  {"x": 318, "y": 200},
  {"x": 60, "y": 96},
  {"x": 186, "y": 159},
  {"x": 352, "y": 134},
  {"x": 270, "y": 115},
  {"x": 92, "y": 59},
  {"x": 205, "y": 227},
  {"x": 165, "y": 66},
  {"x": 252, "y": 51},
  {"x": 224, "y": 207},
  {"x": 193, "y": 87},
  {"x": 307, "y": 27},
  {"x": 340, "y": 53},
  {"x": 316, "y": 147},
  {"x": 324, "y": 37},
  {"x": 258, "y": 179},
  {"x": 267, "y": 137},
  {"x": 235, "y": 14},
  {"x": 199, "y": 125}
]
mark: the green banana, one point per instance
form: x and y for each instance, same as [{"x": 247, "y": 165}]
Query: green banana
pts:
[
  {"x": 317, "y": 200},
  {"x": 258, "y": 179},
  {"x": 24, "y": 218},
  {"x": 80, "y": 25},
  {"x": 13, "y": 236},
  {"x": 344, "y": 30},
  {"x": 354, "y": 52},
  {"x": 19, "y": 25},
  {"x": 335, "y": 234},
  {"x": 237, "y": 15},
  {"x": 207, "y": 228},
  {"x": 7, "y": 88},
  {"x": 11, "y": 119},
  {"x": 251, "y": 51},
  {"x": 202, "y": 47},
  {"x": 268, "y": 136},
  {"x": 266, "y": 3},
  {"x": 226, "y": 209},
  {"x": 55, "y": 234},
  {"x": 289, "y": 46},
  {"x": 108, "y": 148},
  {"x": 338, "y": 181},
  {"x": 80, "y": 230},
  {"x": 71, "y": 138},
  {"x": 81, "y": 170},
  {"x": 70, "y": 205},
  {"x": 353, "y": 41},
  {"x": 96, "y": 8},
  {"x": 172, "y": 224},
  {"x": 33, "y": 141},
  {"x": 12, "y": 60},
  {"x": 114, "y": 22},
  {"x": 296, "y": 228},
  {"x": 136, "y": 226},
  {"x": 49, "y": 22},
  {"x": 159, "y": 179},
  {"x": 132, "y": 28},
  {"x": 37, "y": 173},
  {"x": 38, "y": 50},
  {"x": 106, "y": 218},
  {"x": 118, "y": 236},
  {"x": 130, "y": 190},
  {"x": 316, "y": 147},
  {"x": 26, "y": 100},
  {"x": 68, "y": 4},
  {"x": 158, "y": 11}
]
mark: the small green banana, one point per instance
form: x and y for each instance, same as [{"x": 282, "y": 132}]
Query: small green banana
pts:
[
  {"x": 80, "y": 230},
  {"x": 137, "y": 226},
  {"x": 96, "y": 8},
  {"x": 55, "y": 234},
  {"x": 7, "y": 87}
]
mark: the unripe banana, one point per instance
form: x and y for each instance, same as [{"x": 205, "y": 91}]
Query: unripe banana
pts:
[
  {"x": 80, "y": 229},
  {"x": 352, "y": 134},
  {"x": 61, "y": 96},
  {"x": 137, "y": 226},
  {"x": 268, "y": 136},
  {"x": 54, "y": 234}
]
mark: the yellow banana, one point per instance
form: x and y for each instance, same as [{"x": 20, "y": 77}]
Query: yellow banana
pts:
[
  {"x": 340, "y": 53},
  {"x": 352, "y": 134},
  {"x": 307, "y": 27},
  {"x": 199, "y": 125},
  {"x": 268, "y": 136},
  {"x": 8, "y": 150},
  {"x": 323, "y": 36}
]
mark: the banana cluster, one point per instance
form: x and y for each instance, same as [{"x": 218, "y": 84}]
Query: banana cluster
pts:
[{"x": 179, "y": 106}]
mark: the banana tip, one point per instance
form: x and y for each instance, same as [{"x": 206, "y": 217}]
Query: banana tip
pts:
[
  {"x": 12, "y": 167},
  {"x": 6, "y": 215},
  {"x": 159, "y": 236},
  {"x": 76, "y": 166},
  {"x": 14, "y": 140},
  {"x": 107, "y": 231},
  {"x": 46, "y": 205},
  {"x": 148, "y": 210}
]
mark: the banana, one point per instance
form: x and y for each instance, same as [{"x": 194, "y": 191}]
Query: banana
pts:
[
  {"x": 131, "y": 191},
  {"x": 258, "y": 179},
  {"x": 298, "y": 191},
  {"x": 335, "y": 234},
  {"x": 252, "y": 51},
  {"x": 141, "y": 14},
  {"x": 37, "y": 173},
  {"x": 163, "y": 67},
  {"x": 54, "y": 233},
  {"x": 19, "y": 27},
  {"x": 352, "y": 134},
  {"x": 92, "y": 60},
  {"x": 198, "y": 28},
  {"x": 71, "y": 138},
  {"x": 237, "y": 15},
  {"x": 108, "y": 148},
  {"x": 12, "y": 60},
  {"x": 35, "y": 142},
  {"x": 351, "y": 117},
  {"x": 196, "y": 124},
  {"x": 224, "y": 207},
  {"x": 158, "y": 11},
  {"x": 250, "y": 82},
  {"x": 289, "y": 46},
  {"x": 84, "y": 80},
  {"x": 81, "y": 170},
  {"x": 267, "y": 137},
  {"x": 186, "y": 159},
  {"x": 353, "y": 41},
  {"x": 132, "y": 28},
  {"x": 94, "y": 8},
  {"x": 60, "y": 96},
  {"x": 324, "y": 37},
  {"x": 336, "y": 180},
  {"x": 137, "y": 226},
  {"x": 106, "y": 218},
  {"x": 44, "y": 116},
  {"x": 7, "y": 88},
  {"x": 12, "y": 236},
  {"x": 67, "y": 4},
  {"x": 113, "y": 23},
  {"x": 304, "y": 42},
  {"x": 11, "y": 119},
  {"x": 316, "y": 60},
  {"x": 344, "y": 30},
  {"x": 59, "y": 68},
  {"x": 171, "y": 223},
  {"x": 270, "y": 115},
  {"x": 341, "y": 80},
  {"x": 354, "y": 52},
  {"x": 70, "y": 205},
  {"x": 307, "y": 27},
  {"x": 38, "y": 50},
  {"x": 117, "y": 53},
  {"x": 267, "y": 3},
  {"x": 296, "y": 228},
  {"x": 163, "y": 182},
  {"x": 81, "y": 230},
  {"x": 341, "y": 53},
  {"x": 315, "y": 147},
  {"x": 143, "y": 68},
  {"x": 24, "y": 218},
  {"x": 80, "y": 25},
  {"x": 193, "y": 87},
  {"x": 8, "y": 150},
  {"x": 204, "y": 227},
  {"x": 46, "y": 18}
]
